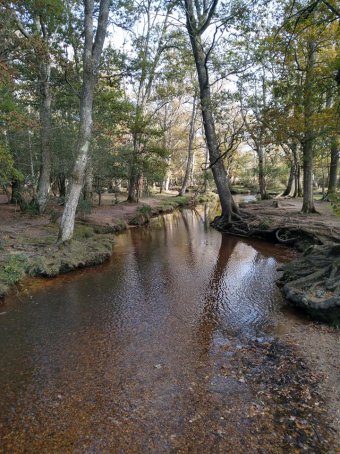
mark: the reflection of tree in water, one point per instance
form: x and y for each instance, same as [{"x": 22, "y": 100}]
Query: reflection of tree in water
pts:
[
  {"x": 209, "y": 320},
  {"x": 240, "y": 299},
  {"x": 191, "y": 253},
  {"x": 204, "y": 218}
]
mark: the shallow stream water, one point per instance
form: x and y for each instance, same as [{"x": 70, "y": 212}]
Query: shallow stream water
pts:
[{"x": 127, "y": 357}]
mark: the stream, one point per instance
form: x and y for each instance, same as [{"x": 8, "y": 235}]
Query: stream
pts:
[{"x": 157, "y": 351}]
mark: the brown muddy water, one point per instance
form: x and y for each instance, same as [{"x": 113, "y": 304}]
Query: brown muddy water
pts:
[{"x": 159, "y": 351}]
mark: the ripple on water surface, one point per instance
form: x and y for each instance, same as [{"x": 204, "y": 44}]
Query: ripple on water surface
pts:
[{"x": 127, "y": 358}]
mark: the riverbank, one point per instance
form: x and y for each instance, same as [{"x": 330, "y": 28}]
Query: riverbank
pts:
[{"x": 28, "y": 242}]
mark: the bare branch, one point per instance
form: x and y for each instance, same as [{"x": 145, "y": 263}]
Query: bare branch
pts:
[{"x": 211, "y": 13}]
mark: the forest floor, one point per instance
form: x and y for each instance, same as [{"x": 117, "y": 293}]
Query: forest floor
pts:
[{"x": 287, "y": 213}]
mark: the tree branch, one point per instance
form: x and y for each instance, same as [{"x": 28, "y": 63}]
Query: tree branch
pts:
[{"x": 206, "y": 24}]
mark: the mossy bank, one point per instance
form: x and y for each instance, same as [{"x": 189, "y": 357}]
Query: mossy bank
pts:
[
  {"x": 50, "y": 260},
  {"x": 26, "y": 253}
]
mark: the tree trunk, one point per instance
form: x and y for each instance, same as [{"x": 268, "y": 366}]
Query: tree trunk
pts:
[
  {"x": 308, "y": 200},
  {"x": 334, "y": 167},
  {"x": 291, "y": 180},
  {"x": 61, "y": 181},
  {"x": 16, "y": 197},
  {"x": 91, "y": 57},
  {"x": 88, "y": 186},
  {"x": 299, "y": 182},
  {"x": 190, "y": 148},
  {"x": 292, "y": 184},
  {"x": 206, "y": 177},
  {"x": 44, "y": 182},
  {"x": 308, "y": 139},
  {"x": 262, "y": 179},
  {"x": 166, "y": 183},
  {"x": 201, "y": 60},
  {"x": 133, "y": 178},
  {"x": 132, "y": 187}
]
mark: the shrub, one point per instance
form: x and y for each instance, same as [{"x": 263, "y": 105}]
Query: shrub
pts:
[
  {"x": 335, "y": 203},
  {"x": 84, "y": 207},
  {"x": 14, "y": 268}
]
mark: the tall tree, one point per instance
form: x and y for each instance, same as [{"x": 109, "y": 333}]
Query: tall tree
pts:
[
  {"x": 198, "y": 18},
  {"x": 150, "y": 44},
  {"x": 38, "y": 25},
  {"x": 93, "y": 47}
]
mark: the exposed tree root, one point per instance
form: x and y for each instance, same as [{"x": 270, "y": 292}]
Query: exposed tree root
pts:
[
  {"x": 250, "y": 226},
  {"x": 313, "y": 282}
]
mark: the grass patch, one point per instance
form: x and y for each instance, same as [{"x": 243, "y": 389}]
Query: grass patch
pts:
[
  {"x": 83, "y": 231},
  {"x": 142, "y": 216},
  {"x": 178, "y": 200},
  {"x": 208, "y": 197},
  {"x": 12, "y": 269}
]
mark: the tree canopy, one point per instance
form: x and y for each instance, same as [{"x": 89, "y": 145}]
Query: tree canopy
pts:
[{"x": 162, "y": 93}]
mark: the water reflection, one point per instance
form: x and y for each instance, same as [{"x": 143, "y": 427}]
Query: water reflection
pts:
[
  {"x": 125, "y": 358},
  {"x": 240, "y": 298}
]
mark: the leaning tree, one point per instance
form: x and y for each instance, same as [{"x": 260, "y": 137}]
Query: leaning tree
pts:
[{"x": 198, "y": 19}]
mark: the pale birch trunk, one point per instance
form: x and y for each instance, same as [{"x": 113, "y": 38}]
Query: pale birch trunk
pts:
[
  {"x": 91, "y": 58},
  {"x": 44, "y": 182}
]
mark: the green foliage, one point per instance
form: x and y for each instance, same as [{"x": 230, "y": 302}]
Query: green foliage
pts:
[
  {"x": 142, "y": 216},
  {"x": 13, "y": 269},
  {"x": 54, "y": 216},
  {"x": 335, "y": 203},
  {"x": 8, "y": 172},
  {"x": 84, "y": 207},
  {"x": 145, "y": 210},
  {"x": 30, "y": 207}
]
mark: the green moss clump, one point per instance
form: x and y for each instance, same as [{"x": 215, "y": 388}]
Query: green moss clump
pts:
[
  {"x": 335, "y": 203},
  {"x": 12, "y": 269},
  {"x": 71, "y": 256},
  {"x": 142, "y": 216},
  {"x": 264, "y": 225},
  {"x": 208, "y": 197},
  {"x": 145, "y": 209},
  {"x": 82, "y": 232},
  {"x": 179, "y": 200}
]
